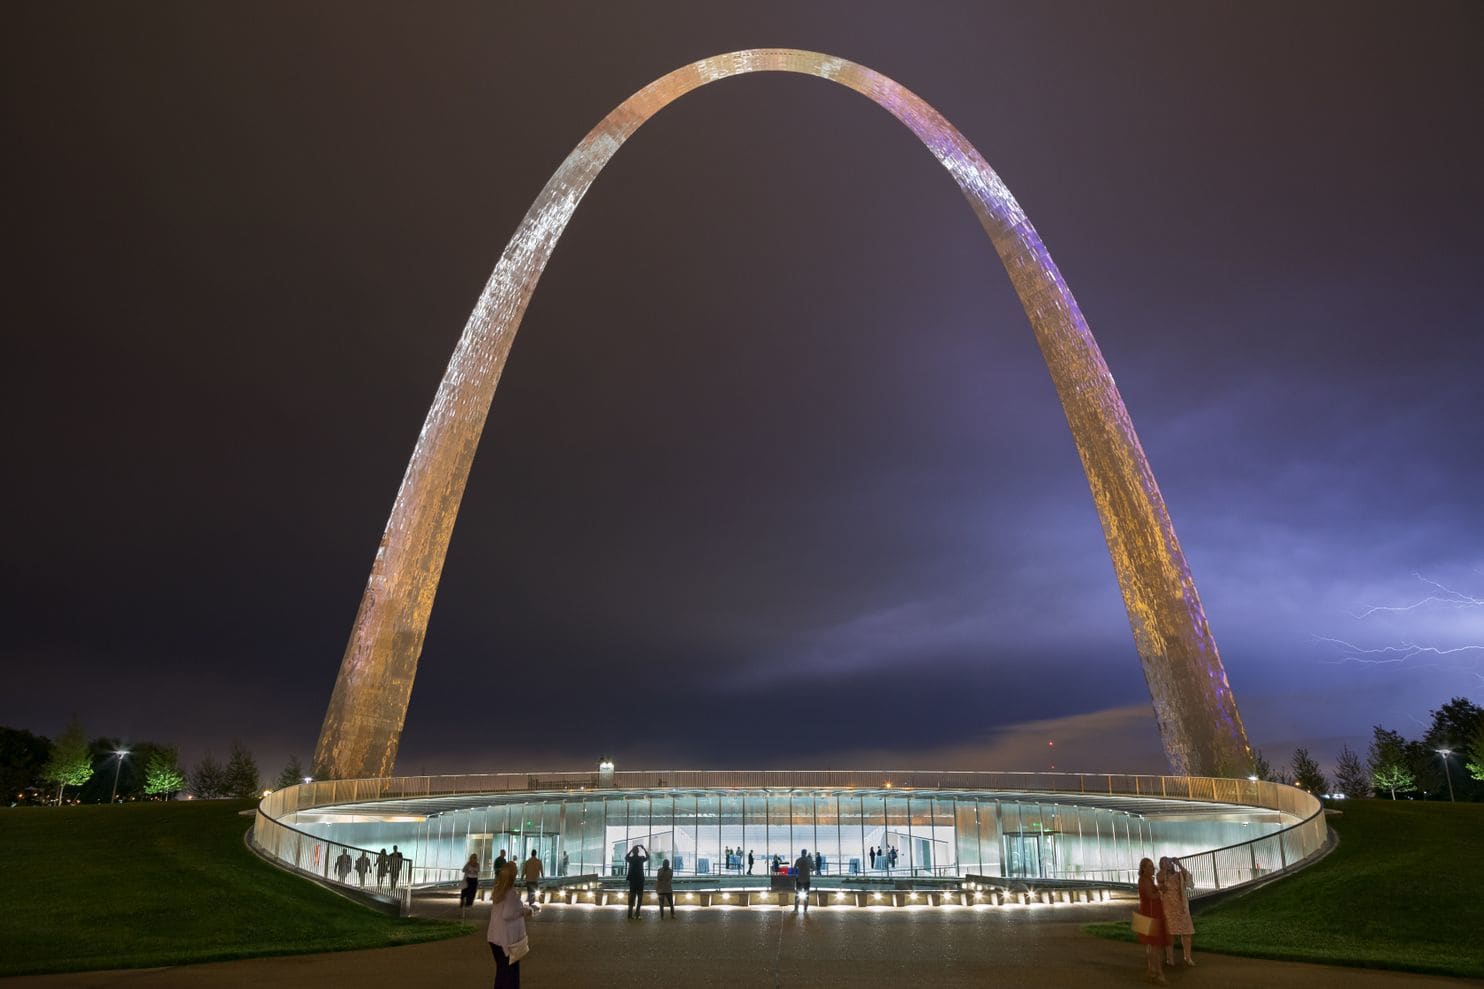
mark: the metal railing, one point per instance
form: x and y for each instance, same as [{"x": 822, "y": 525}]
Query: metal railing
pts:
[{"x": 1220, "y": 868}]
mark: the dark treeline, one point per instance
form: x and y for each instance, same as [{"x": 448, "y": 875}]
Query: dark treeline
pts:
[
  {"x": 75, "y": 769},
  {"x": 1445, "y": 763}
]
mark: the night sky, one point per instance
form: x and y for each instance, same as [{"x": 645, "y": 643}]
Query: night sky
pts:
[{"x": 776, "y": 476}]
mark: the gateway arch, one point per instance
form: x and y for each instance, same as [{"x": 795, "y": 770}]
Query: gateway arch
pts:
[{"x": 1193, "y": 703}]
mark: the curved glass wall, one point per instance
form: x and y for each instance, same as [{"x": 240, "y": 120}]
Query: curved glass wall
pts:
[{"x": 730, "y": 834}]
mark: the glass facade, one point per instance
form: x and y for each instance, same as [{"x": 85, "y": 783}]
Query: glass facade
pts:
[{"x": 718, "y": 835}]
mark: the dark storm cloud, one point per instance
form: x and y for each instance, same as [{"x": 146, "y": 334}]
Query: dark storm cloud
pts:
[{"x": 774, "y": 436}]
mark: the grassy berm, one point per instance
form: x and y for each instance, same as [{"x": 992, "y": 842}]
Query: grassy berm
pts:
[
  {"x": 151, "y": 884},
  {"x": 1402, "y": 891}
]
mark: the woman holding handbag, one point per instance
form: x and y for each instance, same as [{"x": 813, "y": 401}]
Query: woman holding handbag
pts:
[
  {"x": 1149, "y": 924},
  {"x": 507, "y": 930}
]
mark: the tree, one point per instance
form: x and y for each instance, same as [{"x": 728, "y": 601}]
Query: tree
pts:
[
  {"x": 1261, "y": 768},
  {"x": 1306, "y": 772},
  {"x": 1454, "y": 725},
  {"x": 1475, "y": 758},
  {"x": 162, "y": 775},
  {"x": 1388, "y": 762},
  {"x": 242, "y": 774},
  {"x": 208, "y": 779},
  {"x": 1351, "y": 777},
  {"x": 70, "y": 764},
  {"x": 23, "y": 758},
  {"x": 292, "y": 774}
]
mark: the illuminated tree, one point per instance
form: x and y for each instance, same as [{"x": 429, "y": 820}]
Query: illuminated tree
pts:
[
  {"x": 1351, "y": 777},
  {"x": 1307, "y": 774},
  {"x": 162, "y": 775},
  {"x": 1476, "y": 753},
  {"x": 71, "y": 764},
  {"x": 1261, "y": 768},
  {"x": 1388, "y": 762}
]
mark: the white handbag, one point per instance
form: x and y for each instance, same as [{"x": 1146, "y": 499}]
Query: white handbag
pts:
[{"x": 519, "y": 949}]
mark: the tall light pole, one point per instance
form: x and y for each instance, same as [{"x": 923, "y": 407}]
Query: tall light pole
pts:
[
  {"x": 117, "y": 766},
  {"x": 1447, "y": 773}
]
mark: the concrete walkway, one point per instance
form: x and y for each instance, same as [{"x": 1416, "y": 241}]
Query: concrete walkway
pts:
[{"x": 582, "y": 946}]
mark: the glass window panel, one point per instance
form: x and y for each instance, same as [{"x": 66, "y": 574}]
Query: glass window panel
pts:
[{"x": 708, "y": 835}]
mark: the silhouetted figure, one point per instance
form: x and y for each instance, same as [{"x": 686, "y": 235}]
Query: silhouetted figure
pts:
[
  {"x": 802, "y": 865},
  {"x": 363, "y": 866},
  {"x": 749, "y": 861},
  {"x": 663, "y": 888},
  {"x": 343, "y": 865},
  {"x": 381, "y": 867},
  {"x": 394, "y": 865},
  {"x": 637, "y": 858},
  {"x": 818, "y": 862},
  {"x": 873, "y": 856},
  {"x": 562, "y": 863}
]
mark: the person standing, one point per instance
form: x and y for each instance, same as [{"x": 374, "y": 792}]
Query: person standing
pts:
[
  {"x": 363, "y": 866},
  {"x": 818, "y": 862},
  {"x": 1158, "y": 938},
  {"x": 500, "y": 861},
  {"x": 534, "y": 872},
  {"x": 471, "y": 882},
  {"x": 507, "y": 929},
  {"x": 749, "y": 861},
  {"x": 637, "y": 858},
  {"x": 802, "y": 866},
  {"x": 394, "y": 865},
  {"x": 381, "y": 867},
  {"x": 343, "y": 865},
  {"x": 873, "y": 858},
  {"x": 664, "y": 888},
  {"x": 563, "y": 863},
  {"x": 1175, "y": 884}
]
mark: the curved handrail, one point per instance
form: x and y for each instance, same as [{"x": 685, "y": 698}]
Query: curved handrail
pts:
[{"x": 1215, "y": 869}]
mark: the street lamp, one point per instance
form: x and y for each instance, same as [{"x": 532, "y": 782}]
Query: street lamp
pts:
[
  {"x": 117, "y": 766},
  {"x": 1445, "y": 753}
]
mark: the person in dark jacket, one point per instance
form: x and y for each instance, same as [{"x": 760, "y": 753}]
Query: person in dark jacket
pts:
[{"x": 637, "y": 858}]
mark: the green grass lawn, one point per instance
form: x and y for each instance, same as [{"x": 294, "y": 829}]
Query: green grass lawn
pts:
[
  {"x": 164, "y": 884},
  {"x": 1402, "y": 891}
]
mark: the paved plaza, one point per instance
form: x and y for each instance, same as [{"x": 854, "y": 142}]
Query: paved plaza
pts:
[{"x": 579, "y": 946}]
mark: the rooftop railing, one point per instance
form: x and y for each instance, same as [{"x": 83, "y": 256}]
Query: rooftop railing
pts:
[{"x": 1216, "y": 869}]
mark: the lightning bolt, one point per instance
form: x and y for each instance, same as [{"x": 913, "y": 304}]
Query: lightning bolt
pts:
[
  {"x": 1407, "y": 652},
  {"x": 1445, "y": 596}
]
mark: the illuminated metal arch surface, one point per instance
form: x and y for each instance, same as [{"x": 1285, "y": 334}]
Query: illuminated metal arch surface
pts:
[{"x": 1193, "y": 704}]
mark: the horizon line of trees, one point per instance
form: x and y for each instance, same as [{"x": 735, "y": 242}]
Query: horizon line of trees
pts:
[
  {"x": 33, "y": 766},
  {"x": 36, "y": 769},
  {"x": 1447, "y": 762}
]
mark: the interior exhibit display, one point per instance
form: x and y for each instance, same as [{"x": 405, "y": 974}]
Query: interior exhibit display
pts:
[{"x": 1193, "y": 704}]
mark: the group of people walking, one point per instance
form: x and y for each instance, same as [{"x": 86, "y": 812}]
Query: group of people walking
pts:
[
  {"x": 1164, "y": 913},
  {"x": 388, "y": 867}
]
